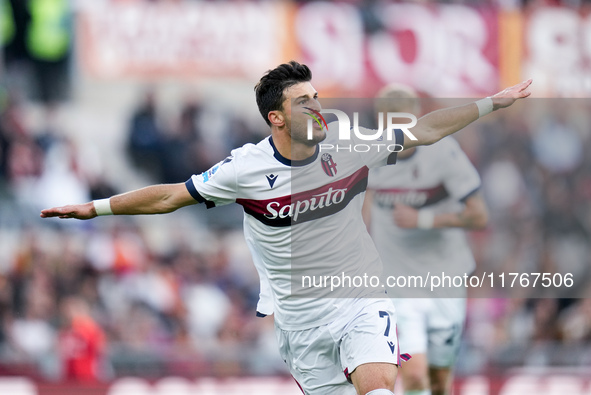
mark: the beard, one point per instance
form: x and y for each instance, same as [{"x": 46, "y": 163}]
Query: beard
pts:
[
  {"x": 299, "y": 135},
  {"x": 316, "y": 139}
]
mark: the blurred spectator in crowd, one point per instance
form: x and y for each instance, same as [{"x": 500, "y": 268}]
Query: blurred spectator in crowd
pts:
[
  {"x": 81, "y": 342},
  {"x": 241, "y": 133},
  {"x": 201, "y": 135},
  {"x": 31, "y": 332},
  {"x": 182, "y": 151},
  {"x": 576, "y": 322},
  {"x": 21, "y": 157},
  {"x": 145, "y": 137},
  {"x": 556, "y": 142},
  {"x": 61, "y": 177},
  {"x": 37, "y": 38}
]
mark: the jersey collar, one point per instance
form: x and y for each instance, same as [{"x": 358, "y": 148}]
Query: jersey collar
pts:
[{"x": 289, "y": 162}]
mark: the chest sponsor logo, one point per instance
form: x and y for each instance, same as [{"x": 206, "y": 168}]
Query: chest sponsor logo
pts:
[
  {"x": 307, "y": 205},
  {"x": 318, "y": 201}
]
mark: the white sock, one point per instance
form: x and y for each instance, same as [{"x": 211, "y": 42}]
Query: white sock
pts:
[
  {"x": 380, "y": 392},
  {"x": 417, "y": 392}
]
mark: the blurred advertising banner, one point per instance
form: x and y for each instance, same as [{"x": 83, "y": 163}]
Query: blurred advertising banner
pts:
[
  {"x": 558, "y": 51},
  {"x": 540, "y": 382},
  {"x": 184, "y": 40},
  {"x": 443, "y": 49},
  {"x": 162, "y": 386}
]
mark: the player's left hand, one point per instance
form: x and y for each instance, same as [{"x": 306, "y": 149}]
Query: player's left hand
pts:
[
  {"x": 405, "y": 216},
  {"x": 78, "y": 211},
  {"x": 508, "y": 96}
]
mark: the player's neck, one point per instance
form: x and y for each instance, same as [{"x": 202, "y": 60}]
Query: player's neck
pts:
[{"x": 292, "y": 150}]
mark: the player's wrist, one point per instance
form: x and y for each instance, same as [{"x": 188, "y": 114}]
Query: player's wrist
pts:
[
  {"x": 425, "y": 219},
  {"x": 102, "y": 207},
  {"x": 485, "y": 106}
]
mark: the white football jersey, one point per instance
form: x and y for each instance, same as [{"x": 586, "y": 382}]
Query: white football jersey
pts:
[
  {"x": 302, "y": 218},
  {"x": 438, "y": 177}
]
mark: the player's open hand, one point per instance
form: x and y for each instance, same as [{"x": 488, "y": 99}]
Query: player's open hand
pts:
[
  {"x": 77, "y": 211},
  {"x": 405, "y": 216},
  {"x": 508, "y": 96}
]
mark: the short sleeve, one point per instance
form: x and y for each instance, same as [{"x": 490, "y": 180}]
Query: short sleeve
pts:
[
  {"x": 216, "y": 186},
  {"x": 461, "y": 178}
]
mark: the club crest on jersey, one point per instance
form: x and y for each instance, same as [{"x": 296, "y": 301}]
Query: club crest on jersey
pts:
[{"x": 328, "y": 165}]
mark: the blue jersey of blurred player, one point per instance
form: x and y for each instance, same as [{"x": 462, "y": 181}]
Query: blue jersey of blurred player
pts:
[{"x": 419, "y": 210}]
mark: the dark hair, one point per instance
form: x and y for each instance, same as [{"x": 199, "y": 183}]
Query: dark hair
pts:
[{"x": 269, "y": 90}]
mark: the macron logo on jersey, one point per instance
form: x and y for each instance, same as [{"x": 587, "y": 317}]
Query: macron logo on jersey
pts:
[
  {"x": 392, "y": 346},
  {"x": 271, "y": 178}
]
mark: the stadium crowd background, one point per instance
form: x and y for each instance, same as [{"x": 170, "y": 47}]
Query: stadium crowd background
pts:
[{"x": 176, "y": 294}]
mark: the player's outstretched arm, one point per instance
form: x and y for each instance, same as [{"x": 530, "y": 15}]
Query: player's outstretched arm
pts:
[
  {"x": 155, "y": 199},
  {"x": 435, "y": 125}
]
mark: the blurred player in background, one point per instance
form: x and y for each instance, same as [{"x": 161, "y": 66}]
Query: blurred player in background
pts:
[
  {"x": 417, "y": 212},
  {"x": 333, "y": 346}
]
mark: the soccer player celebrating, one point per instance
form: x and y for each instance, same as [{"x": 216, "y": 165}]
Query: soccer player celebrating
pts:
[
  {"x": 418, "y": 213},
  {"x": 288, "y": 190}
]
